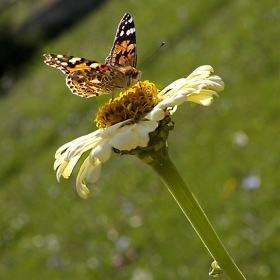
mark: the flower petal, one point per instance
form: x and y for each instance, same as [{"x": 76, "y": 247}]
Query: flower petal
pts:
[
  {"x": 176, "y": 85},
  {"x": 198, "y": 87},
  {"x": 68, "y": 155},
  {"x": 69, "y": 168},
  {"x": 126, "y": 138},
  {"x": 129, "y": 137},
  {"x": 79, "y": 145},
  {"x": 82, "y": 189},
  {"x": 144, "y": 128},
  {"x": 111, "y": 131},
  {"x": 93, "y": 173},
  {"x": 156, "y": 114},
  {"x": 205, "y": 99},
  {"x": 101, "y": 151},
  {"x": 89, "y": 172}
]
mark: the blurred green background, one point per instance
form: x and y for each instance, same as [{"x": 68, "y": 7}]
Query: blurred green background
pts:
[{"x": 130, "y": 226}]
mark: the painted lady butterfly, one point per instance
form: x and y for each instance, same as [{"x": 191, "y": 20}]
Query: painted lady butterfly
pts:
[{"x": 87, "y": 78}]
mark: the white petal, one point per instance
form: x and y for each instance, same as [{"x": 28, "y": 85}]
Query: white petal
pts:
[
  {"x": 65, "y": 168},
  {"x": 69, "y": 168},
  {"x": 205, "y": 97},
  {"x": 93, "y": 174},
  {"x": 144, "y": 128},
  {"x": 168, "y": 102},
  {"x": 111, "y": 131},
  {"x": 82, "y": 147},
  {"x": 68, "y": 154},
  {"x": 156, "y": 114},
  {"x": 126, "y": 138},
  {"x": 175, "y": 85},
  {"x": 102, "y": 151},
  {"x": 71, "y": 148},
  {"x": 204, "y": 70},
  {"x": 60, "y": 170},
  {"x": 58, "y": 162},
  {"x": 179, "y": 98},
  {"x": 131, "y": 136},
  {"x": 88, "y": 172},
  {"x": 217, "y": 83},
  {"x": 82, "y": 189}
]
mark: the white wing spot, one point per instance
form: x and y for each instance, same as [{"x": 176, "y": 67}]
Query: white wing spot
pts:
[
  {"x": 94, "y": 65},
  {"x": 74, "y": 60},
  {"x": 130, "y": 31}
]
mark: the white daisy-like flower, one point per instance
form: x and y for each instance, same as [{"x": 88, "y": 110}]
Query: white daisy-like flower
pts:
[{"x": 125, "y": 123}]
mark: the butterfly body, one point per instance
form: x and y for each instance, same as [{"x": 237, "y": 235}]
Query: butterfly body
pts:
[{"x": 87, "y": 78}]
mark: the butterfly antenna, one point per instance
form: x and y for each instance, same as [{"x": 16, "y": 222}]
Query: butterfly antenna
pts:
[{"x": 162, "y": 44}]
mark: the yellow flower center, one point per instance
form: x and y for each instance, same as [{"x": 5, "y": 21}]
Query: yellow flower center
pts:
[{"x": 132, "y": 104}]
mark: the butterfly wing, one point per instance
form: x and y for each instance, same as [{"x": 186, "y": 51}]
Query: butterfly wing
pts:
[
  {"x": 123, "y": 52},
  {"x": 85, "y": 77},
  {"x": 68, "y": 63},
  {"x": 87, "y": 83}
]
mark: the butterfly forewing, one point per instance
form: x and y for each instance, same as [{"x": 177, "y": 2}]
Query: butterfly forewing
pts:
[{"x": 123, "y": 52}]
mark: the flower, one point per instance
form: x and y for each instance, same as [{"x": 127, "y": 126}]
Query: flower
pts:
[{"x": 127, "y": 123}]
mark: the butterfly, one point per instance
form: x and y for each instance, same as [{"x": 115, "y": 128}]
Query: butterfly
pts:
[{"x": 87, "y": 78}]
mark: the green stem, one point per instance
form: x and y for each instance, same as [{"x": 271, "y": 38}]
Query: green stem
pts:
[{"x": 164, "y": 167}]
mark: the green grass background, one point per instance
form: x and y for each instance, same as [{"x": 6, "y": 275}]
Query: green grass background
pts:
[{"x": 130, "y": 227}]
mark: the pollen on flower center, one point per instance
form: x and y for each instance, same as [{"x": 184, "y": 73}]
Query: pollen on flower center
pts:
[{"x": 132, "y": 104}]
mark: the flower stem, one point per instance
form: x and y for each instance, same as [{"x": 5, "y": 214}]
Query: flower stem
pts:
[{"x": 164, "y": 167}]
